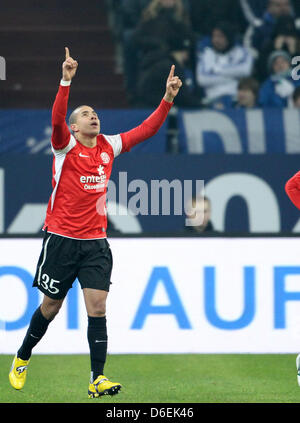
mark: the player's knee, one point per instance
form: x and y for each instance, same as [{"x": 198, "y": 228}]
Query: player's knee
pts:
[
  {"x": 50, "y": 308},
  {"x": 98, "y": 308}
]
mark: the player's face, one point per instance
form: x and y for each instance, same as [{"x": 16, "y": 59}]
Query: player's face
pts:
[{"x": 87, "y": 121}]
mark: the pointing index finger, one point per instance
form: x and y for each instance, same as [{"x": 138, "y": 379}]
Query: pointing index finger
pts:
[
  {"x": 67, "y": 52},
  {"x": 171, "y": 74}
]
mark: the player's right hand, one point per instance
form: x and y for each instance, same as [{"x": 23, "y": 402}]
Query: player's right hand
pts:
[{"x": 69, "y": 67}]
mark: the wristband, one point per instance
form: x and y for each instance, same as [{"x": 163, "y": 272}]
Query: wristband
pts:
[{"x": 65, "y": 83}]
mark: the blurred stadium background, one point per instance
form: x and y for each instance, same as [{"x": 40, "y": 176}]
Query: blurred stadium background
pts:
[{"x": 229, "y": 286}]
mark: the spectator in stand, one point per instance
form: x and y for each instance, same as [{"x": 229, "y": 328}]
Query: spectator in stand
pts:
[
  {"x": 296, "y": 98},
  {"x": 253, "y": 11},
  {"x": 221, "y": 65},
  {"x": 278, "y": 89},
  {"x": 247, "y": 93},
  {"x": 206, "y": 13},
  {"x": 296, "y": 7},
  {"x": 285, "y": 37},
  {"x": 263, "y": 33},
  {"x": 160, "y": 21},
  {"x": 199, "y": 214},
  {"x": 156, "y": 64},
  {"x": 132, "y": 11}
]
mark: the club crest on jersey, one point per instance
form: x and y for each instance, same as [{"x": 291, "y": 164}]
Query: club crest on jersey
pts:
[{"x": 105, "y": 157}]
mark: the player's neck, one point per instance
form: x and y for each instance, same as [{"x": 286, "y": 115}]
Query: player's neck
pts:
[{"x": 87, "y": 141}]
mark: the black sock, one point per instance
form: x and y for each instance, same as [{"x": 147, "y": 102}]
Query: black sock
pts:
[
  {"x": 97, "y": 338},
  {"x": 37, "y": 329}
]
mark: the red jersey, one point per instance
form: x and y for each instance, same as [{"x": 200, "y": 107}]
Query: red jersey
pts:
[
  {"x": 292, "y": 188},
  {"x": 77, "y": 206}
]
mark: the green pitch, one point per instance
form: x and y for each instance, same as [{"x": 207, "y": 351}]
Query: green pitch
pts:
[{"x": 194, "y": 378}]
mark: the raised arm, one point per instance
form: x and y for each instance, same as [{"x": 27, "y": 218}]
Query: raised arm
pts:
[
  {"x": 152, "y": 124},
  {"x": 60, "y": 131}
]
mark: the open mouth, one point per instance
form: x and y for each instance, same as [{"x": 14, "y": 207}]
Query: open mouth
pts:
[{"x": 95, "y": 124}]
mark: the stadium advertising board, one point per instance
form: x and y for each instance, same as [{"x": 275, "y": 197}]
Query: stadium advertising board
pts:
[
  {"x": 247, "y": 192},
  {"x": 29, "y": 131},
  {"x": 180, "y": 295},
  {"x": 238, "y": 131}
]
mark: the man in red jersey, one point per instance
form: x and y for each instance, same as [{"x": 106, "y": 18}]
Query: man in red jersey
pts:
[{"x": 75, "y": 244}]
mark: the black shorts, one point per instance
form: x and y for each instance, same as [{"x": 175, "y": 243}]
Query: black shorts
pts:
[{"x": 62, "y": 260}]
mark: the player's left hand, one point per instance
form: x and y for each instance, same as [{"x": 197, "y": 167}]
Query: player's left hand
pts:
[{"x": 173, "y": 86}]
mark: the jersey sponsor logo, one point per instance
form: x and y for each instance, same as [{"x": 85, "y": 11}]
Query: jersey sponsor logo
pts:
[
  {"x": 97, "y": 187},
  {"x": 94, "y": 179},
  {"x": 105, "y": 157},
  {"x": 82, "y": 155}
]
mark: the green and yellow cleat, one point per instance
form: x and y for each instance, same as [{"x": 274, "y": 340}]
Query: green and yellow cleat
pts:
[
  {"x": 103, "y": 386},
  {"x": 18, "y": 373}
]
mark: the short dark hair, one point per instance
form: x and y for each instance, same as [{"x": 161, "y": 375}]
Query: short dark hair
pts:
[
  {"x": 72, "y": 117},
  {"x": 249, "y": 83},
  {"x": 228, "y": 29}
]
